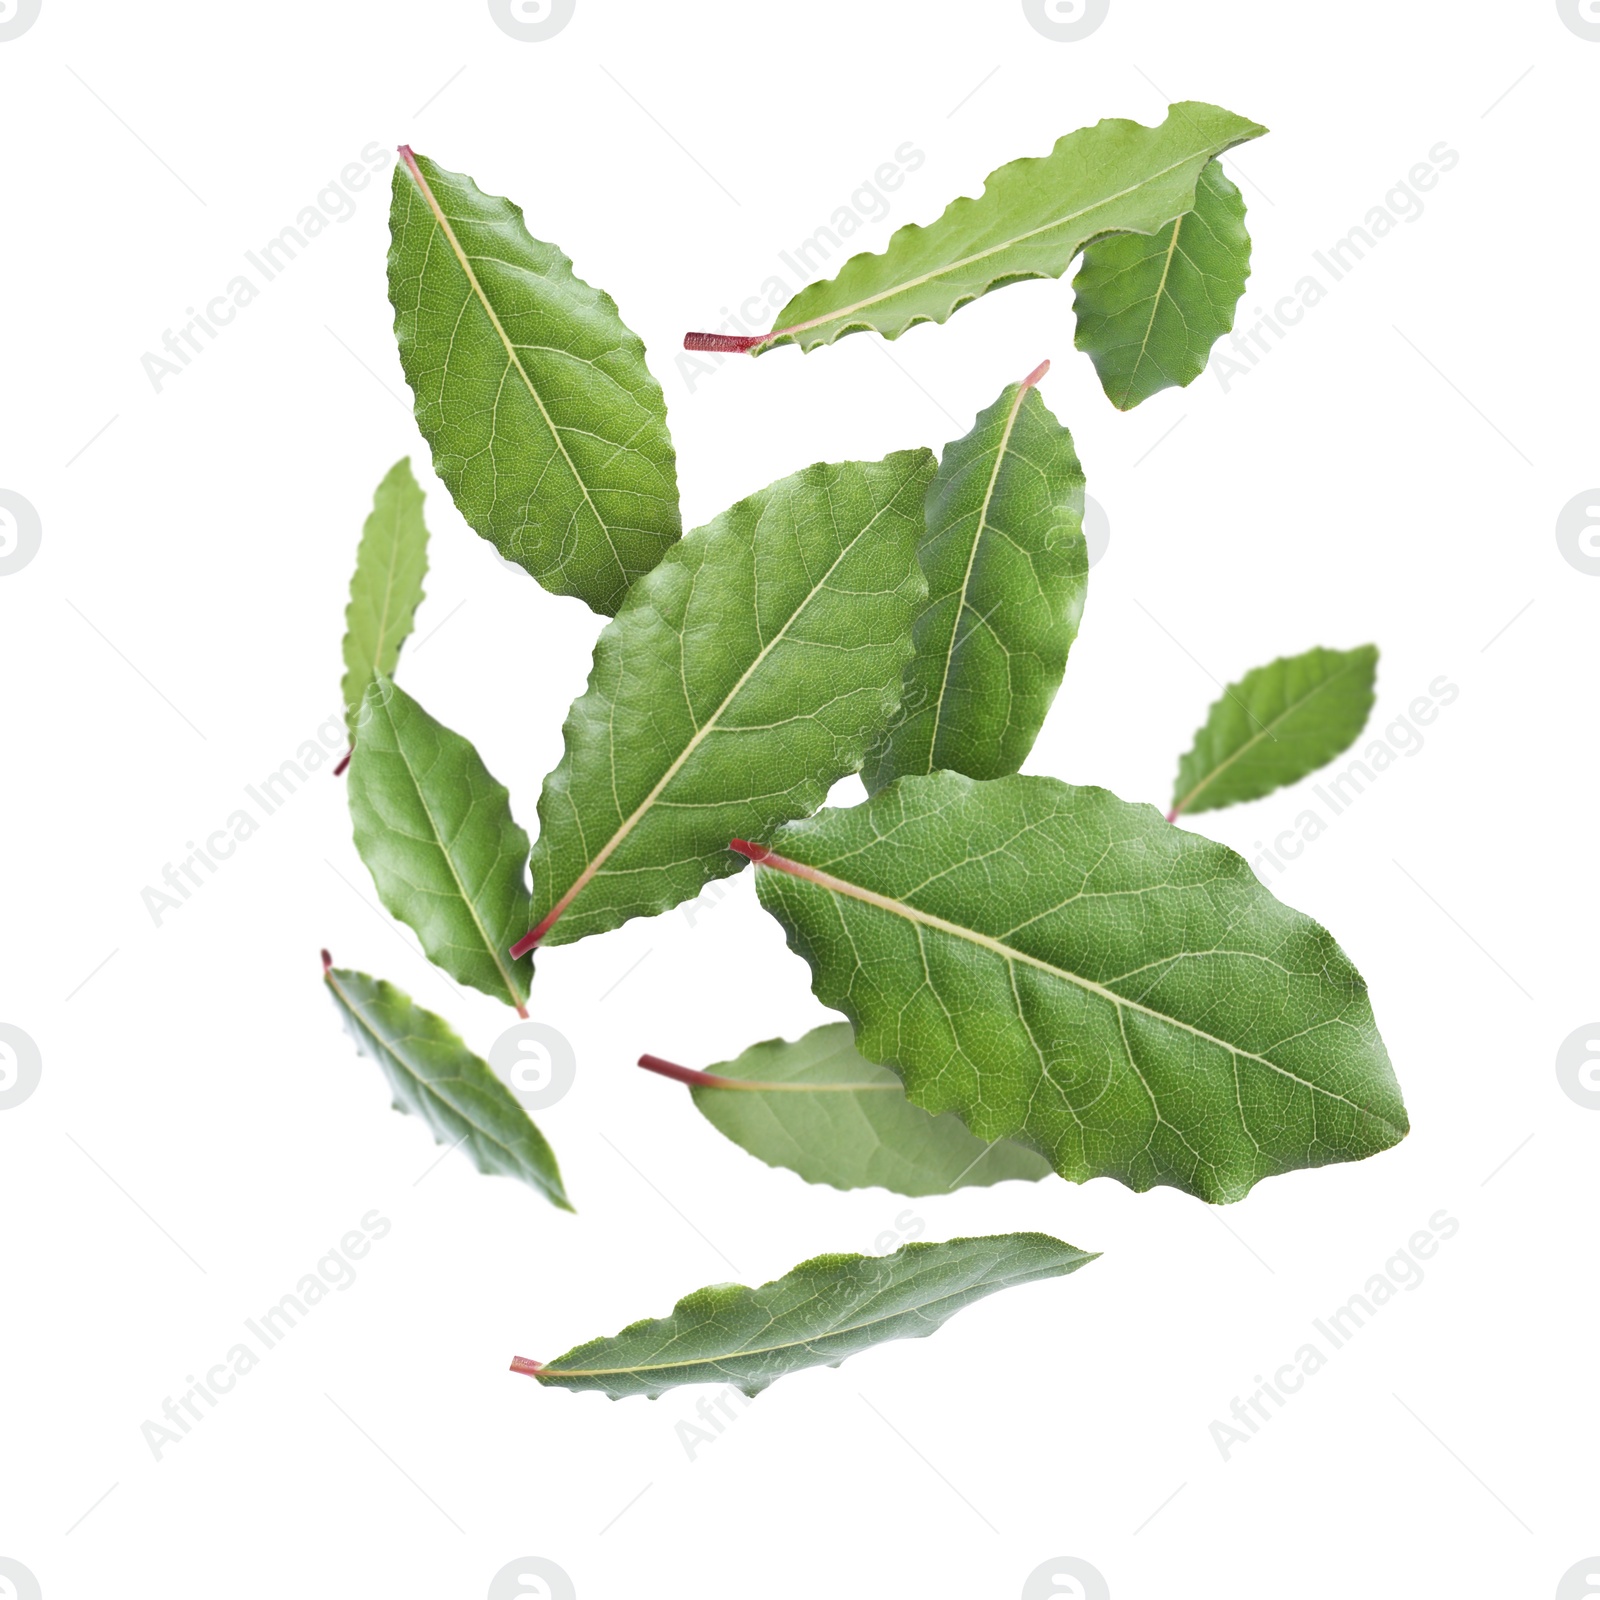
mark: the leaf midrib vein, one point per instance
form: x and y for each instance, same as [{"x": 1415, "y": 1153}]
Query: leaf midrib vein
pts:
[{"x": 1155, "y": 304}]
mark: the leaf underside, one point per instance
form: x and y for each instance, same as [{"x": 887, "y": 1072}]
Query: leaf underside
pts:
[
  {"x": 544, "y": 420},
  {"x": 839, "y": 1119},
  {"x": 386, "y": 588},
  {"x": 1032, "y": 219},
  {"x": 1007, "y": 570},
  {"x": 1276, "y": 725},
  {"x": 823, "y": 1311},
  {"x": 1054, "y": 964},
  {"x": 433, "y": 1074},
  {"x": 745, "y": 675},
  {"x": 436, "y": 831},
  {"x": 1150, "y": 307}
]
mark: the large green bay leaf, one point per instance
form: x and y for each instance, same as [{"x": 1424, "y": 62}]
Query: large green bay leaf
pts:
[
  {"x": 545, "y": 423},
  {"x": 1150, "y": 307},
  {"x": 1032, "y": 219},
  {"x": 818, "y": 1107},
  {"x": 435, "y": 829},
  {"x": 1276, "y": 725},
  {"x": 743, "y": 677},
  {"x": 1007, "y": 570},
  {"x": 824, "y": 1310},
  {"x": 432, "y": 1073},
  {"x": 1055, "y": 964},
  {"x": 386, "y": 589}
]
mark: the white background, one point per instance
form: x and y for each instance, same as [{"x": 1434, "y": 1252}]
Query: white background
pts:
[{"x": 204, "y": 1130}]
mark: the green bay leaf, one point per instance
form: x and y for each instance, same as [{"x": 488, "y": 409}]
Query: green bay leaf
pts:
[
  {"x": 824, "y": 1310},
  {"x": 433, "y": 1074},
  {"x": 742, "y": 678},
  {"x": 1276, "y": 725},
  {"x": 436, "y": 831},
  {"x": 1150, "y": 307},
  {"x": 545, "y": 423},
  {"x": 1055, "y": 964},
  {"x": 386, "y": 590},
  {"x": 1007, "y": 570},
  {"x": 818, "y": 1107},
  {"x": 1033, "y": 217}
]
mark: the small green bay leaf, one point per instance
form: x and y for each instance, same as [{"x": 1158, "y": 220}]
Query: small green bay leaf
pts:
[
  {"x": 432, "y": 1073},
  {"x": 436, "y": 831},
  {"x": 1276, "y": 725},
  {"x": 824, "y": 1310},
  {"x": 1150, "y": 307}
]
